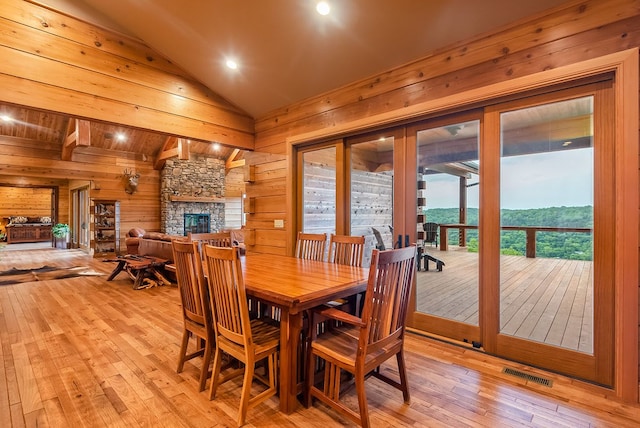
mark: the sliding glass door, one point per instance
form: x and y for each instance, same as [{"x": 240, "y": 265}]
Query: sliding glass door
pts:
[
  {"x": 448, "y": 185},
  {"x": 318, "y": 190},
  {"x": 522, "y": 196},
  {"x": 556, "y": 202},
  {"x": 511, "y": 207},
  {"x": 347, "y": 187}
]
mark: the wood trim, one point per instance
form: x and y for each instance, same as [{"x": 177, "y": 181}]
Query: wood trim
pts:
[
  {"x": 461, "y": 100},
  {"x": 204, "y": 199},
  {"x": 627, "y": 218},
  {"x": 503, "y": 51}
]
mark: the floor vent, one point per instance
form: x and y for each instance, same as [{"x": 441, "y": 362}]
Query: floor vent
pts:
[{"x": 526, "y": 376}]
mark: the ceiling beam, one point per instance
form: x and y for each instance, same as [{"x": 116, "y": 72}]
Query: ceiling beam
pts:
[
  {"x": 232, "y": 163},
  {"x": 181, "y": 151},
  {"x": 78, "y": 134}
]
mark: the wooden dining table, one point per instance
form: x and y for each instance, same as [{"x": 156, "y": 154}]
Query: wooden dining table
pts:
[{"x": 295, "y": 285}]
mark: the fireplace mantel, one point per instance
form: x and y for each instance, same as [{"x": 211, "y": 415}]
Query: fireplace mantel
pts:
[{"x": 203, "y": 199}]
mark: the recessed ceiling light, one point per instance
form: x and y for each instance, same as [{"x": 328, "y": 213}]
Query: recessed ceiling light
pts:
[
  {"x": 216, "y": 146},
  {"x": 6, "y": 118},
  {"x": 323, "y": 8},
  {"x": 120, "y": 136},
  {"x": 232, "y": 64}
]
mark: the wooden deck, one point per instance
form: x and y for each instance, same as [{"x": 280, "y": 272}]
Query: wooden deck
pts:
[
  {"x": 84, "y": 352},
  {"x": 544, "y": 300}
]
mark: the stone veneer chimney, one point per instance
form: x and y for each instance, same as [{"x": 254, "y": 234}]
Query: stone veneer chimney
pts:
[{"x": 193, "y": 179}]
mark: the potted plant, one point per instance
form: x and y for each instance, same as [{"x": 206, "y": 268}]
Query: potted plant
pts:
[{"x": 61, "y": 234}]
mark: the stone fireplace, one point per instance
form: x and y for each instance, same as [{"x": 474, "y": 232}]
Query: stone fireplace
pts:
[{"x": 192, "y": 187}]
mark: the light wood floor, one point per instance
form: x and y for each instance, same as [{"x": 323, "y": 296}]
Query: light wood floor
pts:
[
  {"x": 544, "y": 300},
  {"x": 86, "y": 352}
]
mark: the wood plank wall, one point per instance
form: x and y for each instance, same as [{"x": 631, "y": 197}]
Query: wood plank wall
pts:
[
  {"x": 577, "y": 31},
  {"x": 84, "y": 71},
  {"x": 25, "y": 201}
]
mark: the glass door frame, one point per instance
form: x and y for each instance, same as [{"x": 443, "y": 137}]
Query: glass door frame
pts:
[
  {"x": 598, "y": 367},
  {"x": 623, "y": 70},
  {"x": 454, "y": 330},
  {"x": 343, "y": 180}
]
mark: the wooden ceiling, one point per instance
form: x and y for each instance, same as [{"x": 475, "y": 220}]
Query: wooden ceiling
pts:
[{"x": 55, "y": 131}]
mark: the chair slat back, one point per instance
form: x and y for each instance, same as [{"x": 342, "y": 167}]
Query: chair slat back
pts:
[
  {"x": 228, "y": 294},
  {"x": 191, "y": 281},
  {"x": 346, "y": 250},
  {"x": 310, "y": 246},
  {"x": 431, "y": 232},
  {"x": 217, "y": 239},
  {"x": 391, "y": 276}
]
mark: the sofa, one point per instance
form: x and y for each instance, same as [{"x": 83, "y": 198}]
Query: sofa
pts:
[{"x": 143, "y": 243}]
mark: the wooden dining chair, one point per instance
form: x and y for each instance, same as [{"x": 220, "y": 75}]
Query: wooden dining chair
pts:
[
  {"x": 346, "y": 250},
  {"x": 379, "y": 336},
  {"x": 311, "y": 246},
  {"x": 196, "y": 309},
  {"x": 248, "y": 341},
  {"x": 218, "y": 239}
]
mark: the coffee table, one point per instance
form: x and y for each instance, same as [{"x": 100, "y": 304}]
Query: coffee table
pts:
[{"x": 140, "y": 268}]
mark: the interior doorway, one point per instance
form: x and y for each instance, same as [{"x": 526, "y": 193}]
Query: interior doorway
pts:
[
  {"x": 30, "y": 210},
  {"x": 80, "y": 218}
]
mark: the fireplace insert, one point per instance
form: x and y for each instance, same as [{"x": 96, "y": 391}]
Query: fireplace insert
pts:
[{"x": 196, "y": 223}]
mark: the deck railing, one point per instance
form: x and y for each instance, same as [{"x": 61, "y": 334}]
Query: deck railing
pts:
[{"x": 529, "y": 230}]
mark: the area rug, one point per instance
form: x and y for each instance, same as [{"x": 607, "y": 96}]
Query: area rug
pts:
[{"x": 44, "y": 273}]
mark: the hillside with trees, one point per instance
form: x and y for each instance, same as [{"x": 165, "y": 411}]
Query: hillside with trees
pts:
[{"x": 564, "y": 245}]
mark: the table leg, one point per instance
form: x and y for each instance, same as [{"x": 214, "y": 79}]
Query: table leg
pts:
[
  {"x": 139, "y": 278},
  {"x": 159, "y": 276},
  {"x": 290, "y": 327},
  {"x": 117, "y": 270},
  {"x": 285, "y": 363}
]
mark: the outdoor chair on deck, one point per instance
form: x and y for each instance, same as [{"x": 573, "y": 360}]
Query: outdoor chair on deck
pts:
[
  {"x": 363, "y": 344},
  {"x": 196, "y": 312},
  {"x": 431, "y": 232},
  {"x": 248, "y": 341},
  {"x": 379, "y": 242}
]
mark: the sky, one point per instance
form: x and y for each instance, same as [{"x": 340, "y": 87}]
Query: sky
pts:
[{"x": 530, "y": 181}]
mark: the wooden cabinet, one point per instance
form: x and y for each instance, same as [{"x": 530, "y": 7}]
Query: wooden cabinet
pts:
[
  {"x": 28, "y": 233},
  {"x": 105, "y": 239}
]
